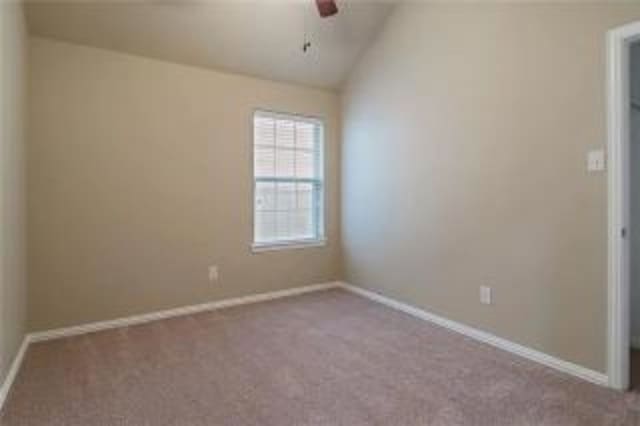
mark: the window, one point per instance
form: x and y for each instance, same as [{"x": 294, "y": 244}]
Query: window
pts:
[{"x": 288, "y": 181}]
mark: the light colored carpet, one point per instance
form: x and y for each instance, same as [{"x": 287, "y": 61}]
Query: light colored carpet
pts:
[{"x": 328, "y": 358}]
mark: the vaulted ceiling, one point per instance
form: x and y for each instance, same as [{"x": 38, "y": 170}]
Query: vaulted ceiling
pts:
[{"x": 262, "y": 38}]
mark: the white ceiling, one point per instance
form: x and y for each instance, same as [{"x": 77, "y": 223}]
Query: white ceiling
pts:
[{"x": 262, "y": 38}]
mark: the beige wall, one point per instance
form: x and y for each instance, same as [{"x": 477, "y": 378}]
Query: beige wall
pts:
[
  {"x": 12, "y": 224},
  {"x": 466, "y": 129},
  {"x": 140, "y": 176}
]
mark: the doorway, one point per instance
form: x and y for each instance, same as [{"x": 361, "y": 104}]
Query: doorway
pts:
[
  {"x": 623, "y": 126},
  {"x": 634, "y": 215}
]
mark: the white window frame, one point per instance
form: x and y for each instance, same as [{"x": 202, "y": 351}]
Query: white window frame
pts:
[{"x": 320, "y": 240}]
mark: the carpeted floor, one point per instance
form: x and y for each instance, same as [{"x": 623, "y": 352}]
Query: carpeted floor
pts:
[{"x": 327, "y": 358}]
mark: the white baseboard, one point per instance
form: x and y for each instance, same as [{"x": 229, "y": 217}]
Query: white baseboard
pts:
[
  {"x": 139, "y": 319},
  {"x": 170, "y": 313},
  {"x": 13, "y": 371},
  {"x": 542, "y": 358},
  {"x": 482, "y": 336}
]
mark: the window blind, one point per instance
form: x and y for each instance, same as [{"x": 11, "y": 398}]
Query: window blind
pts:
[{"x": 288, "y": 178}]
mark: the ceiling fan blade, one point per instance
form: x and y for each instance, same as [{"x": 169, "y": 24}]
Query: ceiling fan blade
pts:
[{"x": 326, "y": 7}]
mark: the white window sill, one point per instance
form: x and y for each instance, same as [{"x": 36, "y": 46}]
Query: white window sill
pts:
[{"x": 287, "y": 245}]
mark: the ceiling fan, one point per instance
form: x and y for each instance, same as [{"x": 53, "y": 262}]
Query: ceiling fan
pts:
[{"x": 326, "y": 8}]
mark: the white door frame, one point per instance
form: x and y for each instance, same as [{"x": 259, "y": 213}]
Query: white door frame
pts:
[{"x": 618, "y": 142}]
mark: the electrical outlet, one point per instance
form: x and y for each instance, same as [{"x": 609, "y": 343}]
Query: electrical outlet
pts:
[
  {"x": 485, "y": 295},
  {"x": 213, "y": 273}
]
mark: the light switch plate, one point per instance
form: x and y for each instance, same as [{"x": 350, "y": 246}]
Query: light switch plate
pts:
[{"x": 595, "y": 160}]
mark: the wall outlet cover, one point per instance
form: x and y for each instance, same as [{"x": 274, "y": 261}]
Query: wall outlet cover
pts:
[
  {"x": 485, "y": 295},
  {"x": 213, "y": 273}
]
